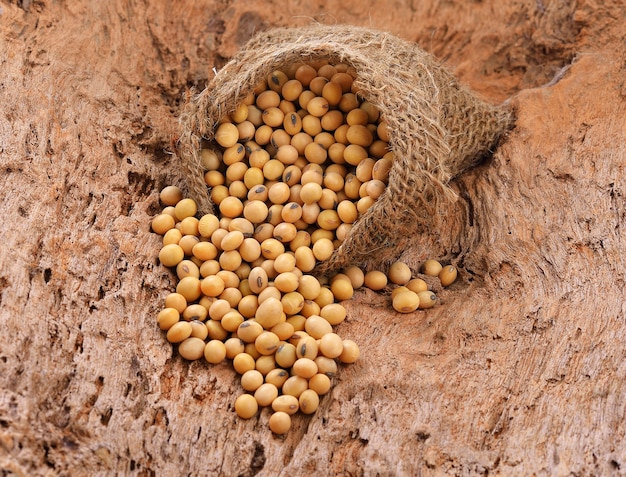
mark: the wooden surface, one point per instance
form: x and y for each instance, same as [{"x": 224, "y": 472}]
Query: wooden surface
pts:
[{"x": 520, "y": 370}]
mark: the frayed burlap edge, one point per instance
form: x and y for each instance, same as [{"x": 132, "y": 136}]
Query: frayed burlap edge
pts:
[{"x": 437, "y": 128}]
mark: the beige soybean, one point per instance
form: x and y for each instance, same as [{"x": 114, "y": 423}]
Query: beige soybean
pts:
[
  {"x": 277, "y": 377},
  {"x": 347, "y": 211},
  {"x": 249, "y": 330},
  {"x": 171, "y": 255},
  {"x": 374, "y": 188},
  {"x": 375, "y": 280},
  {"x": 179, "y": 332},
  {"x": 162, "y": 223},
  {"x": 209, "y": 160},
  {"x": 172, "y": 236},
  {"x": 270, "y": 313},
  {"x": 250, "y": 349},
  {"x": 204, "y": 251},
  {"x": 192, "y": 348},
  {"x": 309, "y": 287},
  {"x": 187, "y": 242},
  {"x": 259, "y": 194},
  {"x": 265, "y": 394},
  {"x": 214, "y": 351},
  {"x": 187, "y": 268},
  {"x": 268, "y": 99},
  {"x": 246, "y": 406},
  {"x": 185, "y": 208},
  {"x": 238, "y": 188},
  {"x": 325, "y": 298},
  {"x": 305, "y": 258},
  {"x": 317, "y": 326},
  {"x": 317, "y": 84},
  {"x": 218, "y": 309},
  {"x": 291, "y": 175},
  {"x": 397, "y": 290},
  {"x": 326, "y": 366},
  {"x": 212, "y": 285},
  {"x": 233, "y": 154},
  {"x": 195, "y": 312},
  {"x": 255, "y": 211},
  {"x": 170, "y": 195},
  {"x": 292, "y": 89},
  {"x": 215, "y": 330},
  {"x": 378, "y": 149},
  {"x": 266, "y": 343},
  {"x": 427, "y": 299},
  {"x": 219, "y": 193},
  {"x": 300, "y": 141},
  {"x": 279, "y": 422},
  {"x": 448, "y": 275},
  {"x": 234, "y": 346},
  {"x": 356, "y": 276},
  {"x": 285, "y": 355},
  {"x": 304, "y": 367},
  {"x": 292, "y": 302},
  {"x": 276, "y": 80},
  {"x": 306, "y": 346},
  {"x": 399, "y": 273},
  {"x": 167, "y": 317},
  {"x": 232, "y": 240},
  {"x": 190, "y": 288},
  {"x": 283, "y": 330},
  {"x": 269, "y": 292},
  {"x": 232, "y": 320},
  {"x": 258, "y": 279},
  {"x": 322, "y": 249},
  {"x": 285, "y": 232},
  {"x": 243, "y": 362},
  {"x": 272, "y": 248},
  {"x": 286, "y": 282},
  {"x": 286, "y": 403},
  {"x": 258, "y": 158},
  {"x": 199, "y": 330},
  {"x": 320, "y": 383},
  {"x": 331, "y": 345},
  {"x": 207, "y": 225},
  {"x": 406, "y": 301},
  {"x": 431, "y": 268},
  {"x": 295, "y": 386},
  {"x": 273, "y": 117},
  {"x": 285, "y": 262},
  {"x": 274, "y": 215},
  {"x": 226, "y": 135},
  {"x": 417, "y": 285},
  {"x": 251, "y": 380},
  {"x": 309, "y": 401},
  {"x": 209, "y": 267},
  {"x": 229, "y": 277},
  {"x": 310, "y": 308},
  {"x": 248, "y": 304},
  {"x": 263, "y": 232},
  {"x": 231, "y": 207},
  {"x": 265, "y": 363},
  {"x": 350, "y": 353},
  {"x": 342, "y": 289}
]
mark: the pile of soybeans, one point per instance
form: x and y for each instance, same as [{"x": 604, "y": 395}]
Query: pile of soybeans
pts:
[{"x": 295, "y": 165}]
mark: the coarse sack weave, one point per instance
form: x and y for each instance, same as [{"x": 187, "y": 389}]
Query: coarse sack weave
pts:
[{"x": 437, "y": 128}]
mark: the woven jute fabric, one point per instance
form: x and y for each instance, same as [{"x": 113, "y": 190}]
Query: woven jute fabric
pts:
[{"x": 437, "y": 127}]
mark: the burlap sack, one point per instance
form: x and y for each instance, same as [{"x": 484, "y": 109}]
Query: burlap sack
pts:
[{"x": 437, "y": 128}]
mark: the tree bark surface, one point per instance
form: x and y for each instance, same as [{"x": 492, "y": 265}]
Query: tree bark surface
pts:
[{"x": 520, "y": 370}]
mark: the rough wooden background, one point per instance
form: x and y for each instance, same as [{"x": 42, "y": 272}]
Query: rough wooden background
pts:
[{"x": 521, "y": 370}]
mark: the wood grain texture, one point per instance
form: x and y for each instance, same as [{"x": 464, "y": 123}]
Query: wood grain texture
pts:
[{"x": 520, "y": 369}]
